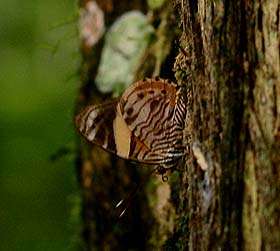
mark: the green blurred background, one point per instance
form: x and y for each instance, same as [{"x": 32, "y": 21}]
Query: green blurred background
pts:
[{"x": 39, "y": 59}]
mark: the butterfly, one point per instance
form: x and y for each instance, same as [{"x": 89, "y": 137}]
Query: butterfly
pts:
[{"x": 145, "y": 124}]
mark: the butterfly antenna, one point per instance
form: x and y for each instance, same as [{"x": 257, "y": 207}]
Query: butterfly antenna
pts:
[{"x": 133, "y": 193}]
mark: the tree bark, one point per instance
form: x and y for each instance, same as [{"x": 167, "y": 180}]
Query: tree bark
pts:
[
  {"x": 230, "y": 192},
  {"x": 226, "y": 197}
]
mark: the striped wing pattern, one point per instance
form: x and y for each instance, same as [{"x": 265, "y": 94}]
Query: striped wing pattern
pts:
[
  {"x": 95, "y": 123},
  {"x": 155, "y": 113},
  {"x": 145, "y": 124}
]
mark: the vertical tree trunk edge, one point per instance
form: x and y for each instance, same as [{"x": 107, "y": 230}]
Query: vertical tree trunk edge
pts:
[{"x": 227, "y": 195}]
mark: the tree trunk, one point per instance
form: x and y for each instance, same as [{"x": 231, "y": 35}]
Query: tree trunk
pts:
[
  {"x": 226, "y": 197},
  {"x": 230, "y": 195}
]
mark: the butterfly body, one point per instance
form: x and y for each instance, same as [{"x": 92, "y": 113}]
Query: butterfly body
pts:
[{"x": 145, "y": 124}]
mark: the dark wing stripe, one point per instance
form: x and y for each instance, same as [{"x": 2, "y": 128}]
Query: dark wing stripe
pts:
[{"x": 150, "y": 125}]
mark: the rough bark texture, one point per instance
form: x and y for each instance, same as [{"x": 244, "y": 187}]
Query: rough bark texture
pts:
[
  {"x": 231, "y": 61},
  {"x": 227, "y": 195}
]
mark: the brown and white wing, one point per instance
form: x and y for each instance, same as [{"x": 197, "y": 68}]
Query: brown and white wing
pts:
[
  {"x": 151, "y": 112},
  {"x": 104, "y": 126},
  {"x": 95, "y": 123}
]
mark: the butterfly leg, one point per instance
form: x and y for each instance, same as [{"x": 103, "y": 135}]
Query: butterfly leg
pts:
[{"x": 161, "y": 170}]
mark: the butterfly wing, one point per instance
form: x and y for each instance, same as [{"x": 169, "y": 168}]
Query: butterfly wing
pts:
[
  {"x": 104, "y": 126},
  {"x": 144, "y": 125},
  {"x": 151, "y": 112},
  {"x": 95, "y": 123}
]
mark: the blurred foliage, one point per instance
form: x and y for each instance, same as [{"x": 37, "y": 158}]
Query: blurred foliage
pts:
[
  {"x": 38, "y": 60},
  {"x": 155, "y": 4},
  {"x": 125, "y": 44}
]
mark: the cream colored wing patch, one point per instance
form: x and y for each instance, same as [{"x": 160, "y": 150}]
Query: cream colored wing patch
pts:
[{"x": 122, "y": 135}]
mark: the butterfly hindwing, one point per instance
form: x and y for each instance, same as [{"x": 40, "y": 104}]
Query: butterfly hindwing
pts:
[{"x": 149, "y": 110}]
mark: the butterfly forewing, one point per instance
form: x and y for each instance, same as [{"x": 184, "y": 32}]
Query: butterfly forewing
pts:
[
  {"x": 95, "y": 123},
  {"x": 145, "y": 124},
  {"x": 104, "y": 126}
]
